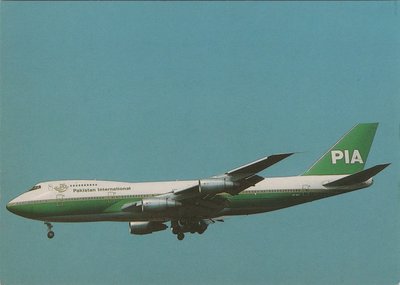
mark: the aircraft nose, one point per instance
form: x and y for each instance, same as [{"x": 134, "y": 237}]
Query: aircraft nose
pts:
[
  {"x": 16, "y": 208},
  {"x": 10, "y": 207}
]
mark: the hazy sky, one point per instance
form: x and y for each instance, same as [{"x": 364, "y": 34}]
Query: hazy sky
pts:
[{"x": 139, "y": 91}]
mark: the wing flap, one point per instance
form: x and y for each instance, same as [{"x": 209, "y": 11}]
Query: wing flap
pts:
[{"x": 246, "y": 183}]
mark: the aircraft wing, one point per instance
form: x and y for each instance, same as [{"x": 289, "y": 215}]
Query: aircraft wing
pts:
[
  {"x": 254, "y": 167},
  {"x": 202, "y": 194},
  {"x": 232, "y": 182}
]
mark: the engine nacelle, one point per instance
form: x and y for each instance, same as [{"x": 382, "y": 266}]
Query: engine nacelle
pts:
[
  {"x": 214, "y": 186},
  {"x": 158, "y": 204},
  {"x": 144, "y": 228}
]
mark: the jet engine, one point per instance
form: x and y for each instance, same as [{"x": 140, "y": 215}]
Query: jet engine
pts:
[
  {"x": 158, "y": 204},
  {"x": 144, "y": 228},
  {"x": 215, "y": 186}
]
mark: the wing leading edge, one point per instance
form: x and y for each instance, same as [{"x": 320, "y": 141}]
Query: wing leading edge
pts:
[{"x": 254, "y": 167}]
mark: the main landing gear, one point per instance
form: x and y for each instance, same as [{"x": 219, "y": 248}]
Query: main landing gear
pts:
[
  {"x": 50, "y": 233},
  {"x": 182, "y": 226}
]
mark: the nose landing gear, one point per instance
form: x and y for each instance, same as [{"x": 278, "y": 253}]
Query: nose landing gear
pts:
[{"x": 50, "y": 233}]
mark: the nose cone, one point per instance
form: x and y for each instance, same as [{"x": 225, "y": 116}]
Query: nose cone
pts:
[
  {"x": 23, "y": 210},
  {"x": 11, "y": 207},
  {"x": 8, "y": 206}
]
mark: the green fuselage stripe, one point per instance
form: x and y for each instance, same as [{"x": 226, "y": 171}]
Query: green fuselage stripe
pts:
[{"x": 109, "y": 208}]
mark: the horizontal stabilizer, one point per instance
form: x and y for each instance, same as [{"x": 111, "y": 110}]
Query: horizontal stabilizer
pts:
[{"x": 358, "y": 177}]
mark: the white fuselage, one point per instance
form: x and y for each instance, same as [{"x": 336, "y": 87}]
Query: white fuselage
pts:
[{"x": 94, "y": 200}]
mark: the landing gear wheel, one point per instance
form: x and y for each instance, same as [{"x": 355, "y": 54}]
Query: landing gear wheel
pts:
[
  {"x": 181, "y": 236},
  {"x": 50, "y": 234}
]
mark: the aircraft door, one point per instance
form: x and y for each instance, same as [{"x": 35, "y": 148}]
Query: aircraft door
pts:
[
  {"x": 111, "y": 196},
  {"x": 306, "y": 190},
  {"x": 60, "y": 200}
]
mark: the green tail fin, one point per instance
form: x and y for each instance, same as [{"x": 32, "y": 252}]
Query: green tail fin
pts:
[{"x": 348, "y": 155}]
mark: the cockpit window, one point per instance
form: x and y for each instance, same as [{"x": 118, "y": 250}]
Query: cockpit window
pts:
[{"x": 35, "y": 187}]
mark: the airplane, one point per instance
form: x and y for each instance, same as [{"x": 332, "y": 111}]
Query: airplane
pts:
[{"x": 192, "y": 205}]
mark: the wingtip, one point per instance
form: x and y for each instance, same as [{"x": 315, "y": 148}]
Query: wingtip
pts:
[
  {"x": 384, "y": 165},
  {"x": 283, "y": 154}
]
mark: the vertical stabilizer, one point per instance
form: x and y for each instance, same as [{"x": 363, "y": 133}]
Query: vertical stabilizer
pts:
[{"x": 348, "y": 155}]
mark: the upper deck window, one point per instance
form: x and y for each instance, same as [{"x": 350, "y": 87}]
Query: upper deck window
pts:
[{"x": 35, "y": 187}]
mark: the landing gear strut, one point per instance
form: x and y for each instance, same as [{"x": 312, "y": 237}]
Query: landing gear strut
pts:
[
  {"x": 179, "y": 227},
  {"x": 50, "y": 233}
]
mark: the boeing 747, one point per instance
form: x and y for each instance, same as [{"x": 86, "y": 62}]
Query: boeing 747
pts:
[{"x": 192, "y": 205}]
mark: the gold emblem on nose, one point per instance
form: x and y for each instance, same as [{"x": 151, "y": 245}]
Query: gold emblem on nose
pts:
[{"x": 61, "y": 188}]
